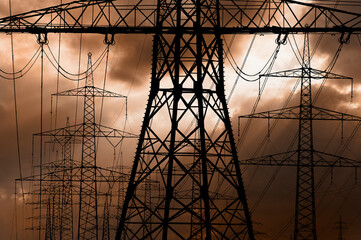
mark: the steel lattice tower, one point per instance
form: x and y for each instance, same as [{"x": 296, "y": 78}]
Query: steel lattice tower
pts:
[
  {"x": 88, "y": 206},
  {"x": 304, "y": 157},
  {"x": 59, "y": 190},
  {"x": 67, "y": 182},
  {"x": 61, "y": 209},
  {"x": 186, "y": 96},
  {"x": 66, "y": 221},
  {"x": 187, "y": 85},
  {"x": 88, "y": 220},
  {"x": 305, "y": 220}
]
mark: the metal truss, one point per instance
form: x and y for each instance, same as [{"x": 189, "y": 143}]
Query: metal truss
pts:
[
  {"x": 61, "y": 181},
  {"x": 305, "y": 158},
  {"x": 314, "y": 73},
  {"x": 290, "y": 159},
  {"x": 318, "y": 113},
  {"x": 76, "y": 131},
  {"x": 88, "y": 219},
  {"x": 60, "y": 197},
  {"x": 141, "y": 16},
  {"x": 186, "y": 95},
  {"x": 187, "y": 89}
]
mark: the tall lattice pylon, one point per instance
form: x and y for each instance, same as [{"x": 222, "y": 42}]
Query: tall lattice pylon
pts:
[
  {"x": 305, "y": 158},
  {"x": 88, "y": 199},
  {"x": 67, "y": 183},
  {"x": 305, "y": 220},
  {"x": 188, "y": 85},
  {"x": 186, "y": 99},
  {"x": 59, "y": 190},
  {"x": 88, "y": 218},
  {"x": 66, "y": 219}
]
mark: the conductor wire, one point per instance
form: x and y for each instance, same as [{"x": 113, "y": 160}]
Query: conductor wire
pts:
[{"x": 16, "y": 112}]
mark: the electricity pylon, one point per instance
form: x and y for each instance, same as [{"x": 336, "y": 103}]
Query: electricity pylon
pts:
[
  {"x": 60, "y": 209},
  {"x": 186, "y": 96},
  {"x": 305, "y": 158},
  {"x": 61, "y": 180},
  {"x": 88, "y": 219},
  {"x": 56, "y": 192},
  {"x": 188, "y": 88}
]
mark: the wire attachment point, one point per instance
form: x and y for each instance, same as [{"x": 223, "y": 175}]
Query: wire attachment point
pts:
[
  {"x": 109, "y": 39},
  {"x": 42, "y": 38},
  {"x": 345, "y": 38},
  {"x": 282, "y": 40}
]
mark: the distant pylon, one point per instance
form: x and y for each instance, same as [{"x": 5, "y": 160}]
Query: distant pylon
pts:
[
  {"x": 66, "y": 220},
  {"x": 68, "y": 183},
  {"x": 88, "y": 220},
  {"x": 305, "y": 158},
  {"x": 59, "y": 215}
]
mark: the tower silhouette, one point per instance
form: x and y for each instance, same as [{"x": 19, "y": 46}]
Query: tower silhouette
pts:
[
  {"x": 186, "y": 96},
  {"x": 305, "y": 158},
  {"x": 68, "y": 185},
  {"x": 187, "y": 88}
]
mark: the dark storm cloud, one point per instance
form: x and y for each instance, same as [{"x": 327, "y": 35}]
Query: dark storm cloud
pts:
[
  {"x": 129, "y": 59},
  {"x": 132, "y": 61}
]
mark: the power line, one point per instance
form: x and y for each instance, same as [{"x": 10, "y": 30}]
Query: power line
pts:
[
  {"x": 16, "y": 109},
  {"x": 21, "y": 73}
]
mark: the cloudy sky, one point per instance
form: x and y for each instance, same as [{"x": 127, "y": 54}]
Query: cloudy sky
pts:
[{"x": 129, "y": 74}]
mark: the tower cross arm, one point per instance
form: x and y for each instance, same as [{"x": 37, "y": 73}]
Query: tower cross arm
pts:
[
  {"x": 103, "y": 131},
  {"x": 55, "y": 174},
  {"x": 89, "y": 90},
  {"x": 322, "y": 159},
  {"x": 285, "y": 113},
  {"x": 318, "y": 113},
  {"x": 140, "y": 16},
  {"x": 77, "y": 131},
  {"x": 280, "y": 159},
  {"x": 289, "y": 159},
  {"x": 313, "y": 73}
]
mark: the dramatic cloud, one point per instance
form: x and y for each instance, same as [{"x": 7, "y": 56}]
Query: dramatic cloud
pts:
[{"x": 129, "y": 74}]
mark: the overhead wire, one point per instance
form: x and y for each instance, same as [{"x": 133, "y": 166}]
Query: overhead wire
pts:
[
  {"x": 78, "y": 82},
  {"x": 237, "y": 79},
  {"x": 57, "y": 80},
  {"x": 104, "y": 83},
  {"x": 328, "y": 69},
  {"x": 21, "y": 73},
  {"x": 341, "y": 149},
  {"x": 133, "y": 81},
  {"x": 292, "y": 93},
  {"x": 16, "y": 111},
  {"x": 296, "y": 52},
  {"x": 261, "y": 88},
  {"x": 293, "y": 141},
  {"x": 242, "y": 137},
  {"x": 239, "y": 70},
  {"x": 80, "y": 76},
  {"x": 277, "y": 170},
  {"x": 344, "y": 199},
  {"x": 41, "y": 127}
]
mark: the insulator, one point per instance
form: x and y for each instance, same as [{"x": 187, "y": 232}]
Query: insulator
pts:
[
  {"x": 42, "y": 38},
  {"x": 109, "y": 39},
  {"x": 282, "y": 40},
  {"x": 345, "y": 38}
]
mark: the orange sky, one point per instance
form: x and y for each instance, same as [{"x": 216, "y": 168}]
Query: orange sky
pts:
[{"x": 129, "y": 74}]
